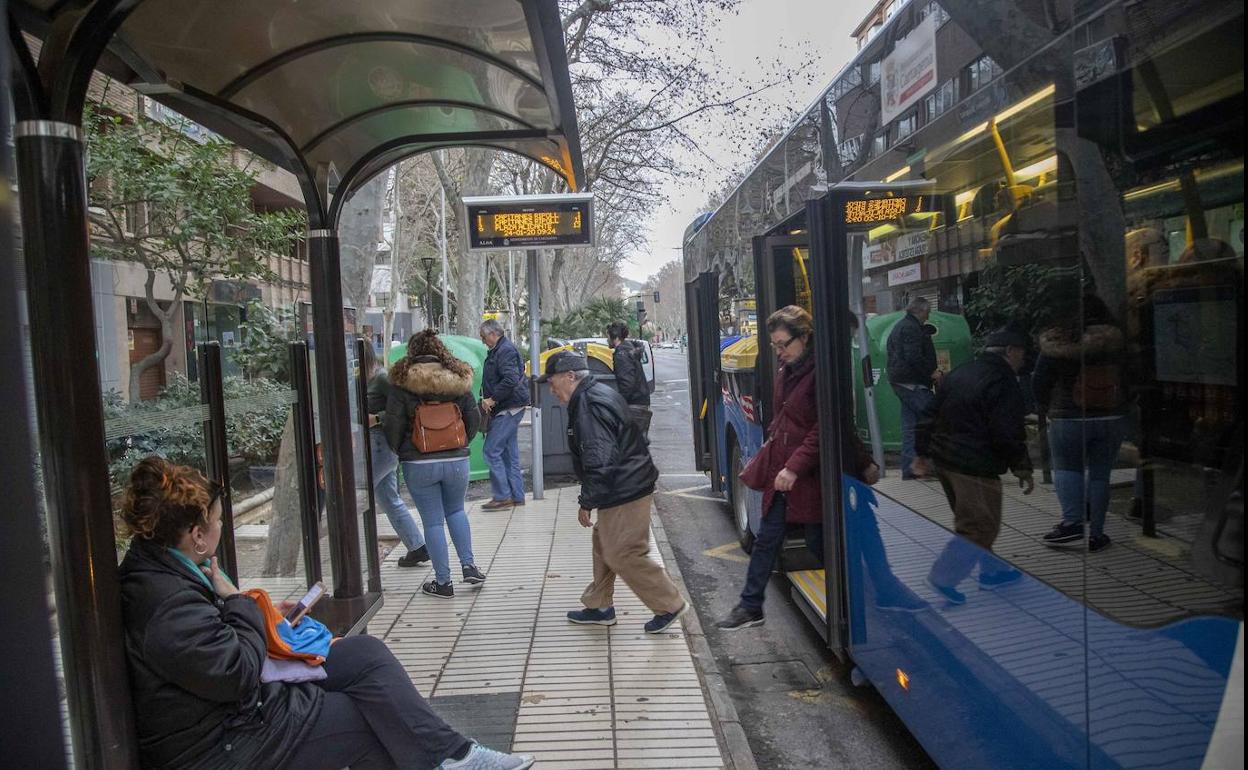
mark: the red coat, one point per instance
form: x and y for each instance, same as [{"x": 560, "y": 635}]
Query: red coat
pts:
[{"x": 793, "y": 443}]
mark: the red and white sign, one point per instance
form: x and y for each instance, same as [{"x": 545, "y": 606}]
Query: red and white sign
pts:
[
  {"x": 907, "y": 274},
  {"x": 909, "y": 72}
]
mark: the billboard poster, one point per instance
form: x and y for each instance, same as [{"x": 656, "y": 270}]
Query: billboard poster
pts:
[{"x": 909, "y": 72}]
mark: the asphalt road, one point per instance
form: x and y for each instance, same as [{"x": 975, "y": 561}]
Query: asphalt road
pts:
[{"x": 793, "y": 697}]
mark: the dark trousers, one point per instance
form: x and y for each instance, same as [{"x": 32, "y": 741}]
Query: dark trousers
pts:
[
  {"x": 767, "y": 544},
  {"x": 373, "y": 716},
  {"x": 641, "y": 416}
]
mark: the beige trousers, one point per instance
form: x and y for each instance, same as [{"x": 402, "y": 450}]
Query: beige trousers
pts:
[{"x": 621, "y": 547}]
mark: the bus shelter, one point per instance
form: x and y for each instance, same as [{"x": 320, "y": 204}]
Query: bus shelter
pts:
[{"x": 334, "y": 93}]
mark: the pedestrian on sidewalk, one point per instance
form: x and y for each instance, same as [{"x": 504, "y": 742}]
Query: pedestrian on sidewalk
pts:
[
  {"x": 786, "y": 468},
  {"x": 504, "y": 396},
  {"x": 437, "y": 481},
  {"x": 630, "y": 374},
  {"x": 386, "y": 465},
  {"x": 610, "y": 458},
  {"x": 912, "y": 372},
  {"x": 197, "y": 648},
  {"x": 971, "y": 433}
]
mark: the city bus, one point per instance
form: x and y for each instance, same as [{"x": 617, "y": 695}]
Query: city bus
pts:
[{"x": 1090, "y": 156}]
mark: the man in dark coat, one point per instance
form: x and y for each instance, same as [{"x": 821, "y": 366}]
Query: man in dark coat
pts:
[
  {"x": 911, "y": 373},
  {"x": 630, "y": 374},
  {"x": 972, "y": 432},
  {"x": 617, "y": 476},
  {"x": 504, "y": 396}
]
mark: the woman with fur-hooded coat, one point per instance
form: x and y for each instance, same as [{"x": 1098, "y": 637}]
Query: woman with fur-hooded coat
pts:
[{"x": 437, "y": 481}]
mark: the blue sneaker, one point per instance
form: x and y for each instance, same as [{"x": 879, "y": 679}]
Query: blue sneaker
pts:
[
  {"x": 660, "y": 623},
  {"x": 952, "y": 595},
  {"x": 590, "y": 617},
  {"x": 994, "y": 580},
  {"x": 481, "y": 758}
]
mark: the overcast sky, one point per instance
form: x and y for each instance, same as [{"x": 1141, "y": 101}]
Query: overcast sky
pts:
[{"x": 792, "y": 31}]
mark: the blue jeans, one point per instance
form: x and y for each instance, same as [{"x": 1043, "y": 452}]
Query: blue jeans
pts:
[
  {"x": 439, "y": 489},
  {"x": 913, "y": 402},
  {"x": 1083, "y": 454},
  {"x": 502, "y": 454},
  {"x": 386, "y": 492}
]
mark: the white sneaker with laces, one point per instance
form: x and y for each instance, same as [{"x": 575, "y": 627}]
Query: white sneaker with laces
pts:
[{"x": 482, "y": 758}]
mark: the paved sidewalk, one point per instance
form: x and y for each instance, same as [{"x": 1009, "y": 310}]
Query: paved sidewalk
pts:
[{"x": 502, "y": 664}]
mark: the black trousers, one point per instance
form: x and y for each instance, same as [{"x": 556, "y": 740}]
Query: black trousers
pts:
[{"x": 373, "y": 717}]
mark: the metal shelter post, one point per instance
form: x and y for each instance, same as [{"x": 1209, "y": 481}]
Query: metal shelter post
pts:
[
  {"x": 370, "y": 516},
  {"x": 535, "y": 353},
  {"x": 50, "y": 156},
  {"x": 216, "y": 449},
  {"x": 305, "y": 449}
]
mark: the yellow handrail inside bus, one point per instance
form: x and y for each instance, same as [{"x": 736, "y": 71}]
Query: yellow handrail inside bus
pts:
[{"x": 706, "y": 403}]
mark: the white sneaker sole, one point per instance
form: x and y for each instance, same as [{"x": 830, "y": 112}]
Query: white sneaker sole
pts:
[
  {"x": 610, "y": 622},
  {"x": 672, "y": 622}
]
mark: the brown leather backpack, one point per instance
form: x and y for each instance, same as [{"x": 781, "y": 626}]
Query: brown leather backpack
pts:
[{"x": 438, "y": 426}]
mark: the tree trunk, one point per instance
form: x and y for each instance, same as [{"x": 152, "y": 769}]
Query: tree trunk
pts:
[
  {"x": 166, "y": 335},
  {"x": 359, "y": 232},
  {"x": 470, "y": 275},
  {"x": 281, "y": 551}
]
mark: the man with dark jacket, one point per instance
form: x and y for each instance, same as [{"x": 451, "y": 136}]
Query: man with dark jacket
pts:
[
  {"x": 504, "y": 396},
  {"x": 973, "y": 431},
  {"x": 610, "y": 458},
  {"x": 630, "y": 374},
  {"x": 911, "y": 373}
]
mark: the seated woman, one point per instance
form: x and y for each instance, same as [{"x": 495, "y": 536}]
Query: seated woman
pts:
[{"x": 196, "y": 647}]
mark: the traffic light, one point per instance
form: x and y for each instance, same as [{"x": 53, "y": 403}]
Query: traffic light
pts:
[
  {"x": 641, "y": 314},
  {"x": 656, "y": 298}
]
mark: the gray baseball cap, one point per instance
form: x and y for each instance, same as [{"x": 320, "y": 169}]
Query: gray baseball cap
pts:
[{"x": 564, "y": 361}]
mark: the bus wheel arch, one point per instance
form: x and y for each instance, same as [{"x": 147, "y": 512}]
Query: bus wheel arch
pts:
[{"x": 739, "y": 494}]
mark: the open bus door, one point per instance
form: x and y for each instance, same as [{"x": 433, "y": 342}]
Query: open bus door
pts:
[
  {"x": 780, "y": 279},
  {"x": 702, "y": 317}
]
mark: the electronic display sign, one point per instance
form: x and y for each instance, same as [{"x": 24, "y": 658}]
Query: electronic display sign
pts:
[
  {"x": 530, "y": 221},
  {"x": 875, "y": 211}
]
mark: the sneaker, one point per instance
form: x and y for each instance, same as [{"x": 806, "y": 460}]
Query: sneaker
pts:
[
  {"x": 1098, "y": 543},
  {"x": 994, "y": 580},
  {"x": 660, "y": 623},
  {"x": 1064, "y": 534},
  {"x": 473, "y": 576},
  {"x": 440, "y": 590},
  {"x": 496, "y": 505},
  {"x": 591, "y": 617},
  {"x": 740, "y": 617},
  {"x": 414, "y": 558},
  {"x": 952, "y": 595},
  {"x": 900, "y": 599},
  {"x": 481, "y": 758}
]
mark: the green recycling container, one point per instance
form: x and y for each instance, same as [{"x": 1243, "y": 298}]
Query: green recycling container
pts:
[
  {"x": 471, "y": 351},
  {"x": 953, "y": 347}
]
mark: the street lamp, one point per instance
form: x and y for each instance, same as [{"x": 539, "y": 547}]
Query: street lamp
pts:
[{"x": 428, "y": 263}]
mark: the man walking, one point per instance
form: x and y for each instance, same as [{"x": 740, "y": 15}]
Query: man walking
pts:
[
  {"x": 504, "y": 395},
  {"x": 911, "y": 373},
  {"x": 630, "y": 374},
  {"x": 610, "y": 458},
  {"x": 972, "y": 432}
]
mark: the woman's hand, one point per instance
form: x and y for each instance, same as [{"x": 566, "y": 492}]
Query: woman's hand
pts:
[
  {"x": 871, "y": 474},
  {"x": 220, "y": 583},
  {"x": 285, "y": 606},
  {"x": 785, "y": 480}
]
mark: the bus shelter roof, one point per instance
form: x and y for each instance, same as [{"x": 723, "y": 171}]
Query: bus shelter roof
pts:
[{"x": 336, "y": 92}]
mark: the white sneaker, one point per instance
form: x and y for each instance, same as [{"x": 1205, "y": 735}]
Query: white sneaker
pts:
[{"x": 481, "y": 758}]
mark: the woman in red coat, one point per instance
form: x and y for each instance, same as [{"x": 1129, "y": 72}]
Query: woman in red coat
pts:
[{"x": 786, "y": 468}]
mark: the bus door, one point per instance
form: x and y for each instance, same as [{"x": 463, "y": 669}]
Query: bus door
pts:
[
  {"x": 702, "y": 317},
  {"x": 781, "y": 277},
  {"x": 839, "y": 224}
]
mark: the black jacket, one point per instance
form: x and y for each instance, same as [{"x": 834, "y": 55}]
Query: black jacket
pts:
[
  {"x": 1064, "y": 355},
  {"x": 195, "y": 665},
  {"x": 503, "y": 378},
  {"x": 630, "y": 374},
  {"x": 911, "y": 354},
  {"x": 609, "y": 453},
  {"x": 378, "y": 393},
  {"x": 425, "y": 380},
  {"x": 974, "y": 425}
]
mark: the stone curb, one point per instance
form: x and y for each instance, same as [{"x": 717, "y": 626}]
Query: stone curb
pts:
[{"x": 726, "y": 722}]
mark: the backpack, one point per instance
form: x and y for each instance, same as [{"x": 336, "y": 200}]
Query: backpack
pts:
[
  {"x": 1098, "y": 387},
  {"x": 438, "y": 426}
]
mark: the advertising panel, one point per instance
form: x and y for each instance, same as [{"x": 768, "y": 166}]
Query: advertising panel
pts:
[{"x": 909, "y": 71}]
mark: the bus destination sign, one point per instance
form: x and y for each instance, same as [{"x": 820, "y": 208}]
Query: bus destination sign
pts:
[
  {"x": 531, "y": 221},
  {"x": 872, "y": 211}
]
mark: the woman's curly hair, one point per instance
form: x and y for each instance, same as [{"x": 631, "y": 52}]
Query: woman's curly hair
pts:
[
  {"x": 427, "y": 343},
  {"x": 163, "y": 501}
]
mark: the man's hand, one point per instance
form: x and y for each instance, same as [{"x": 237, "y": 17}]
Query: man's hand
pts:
[
  {"x": 220, "y": 583},
  {"x": 488, "y": 405},
  {"x": 1026, "y": 482},
  {"x": 871, "y": 474},
  {"x": 784, "y": 480},
  {"x": 583, "y": 517},
  {"x": 921, "y": 466}
]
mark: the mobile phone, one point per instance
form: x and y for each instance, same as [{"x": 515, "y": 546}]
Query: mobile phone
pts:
[{"x": 313, "y": 595}]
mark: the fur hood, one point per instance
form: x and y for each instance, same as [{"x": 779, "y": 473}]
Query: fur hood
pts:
[
  {"x": 427, "y": 378},
  {"x": 1098, "y": 340}
]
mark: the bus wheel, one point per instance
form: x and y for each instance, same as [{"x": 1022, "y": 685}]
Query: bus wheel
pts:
[{"x": 740, "y": 501}]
